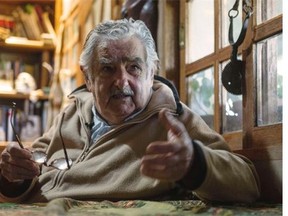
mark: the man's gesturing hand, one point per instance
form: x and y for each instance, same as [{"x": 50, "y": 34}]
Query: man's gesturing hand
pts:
[
  {"x": 17, "y": 164},
  {"x": 170, "y": 159}
]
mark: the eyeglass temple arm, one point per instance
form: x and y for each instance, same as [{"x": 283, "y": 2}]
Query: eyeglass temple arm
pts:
[
  {"x": 12, "y": 125},
  {"x": 63, "y": 145}
]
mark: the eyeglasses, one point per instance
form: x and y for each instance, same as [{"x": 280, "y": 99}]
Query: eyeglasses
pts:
[{"x": 40, "y": 157}]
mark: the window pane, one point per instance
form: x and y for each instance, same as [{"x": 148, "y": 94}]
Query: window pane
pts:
[
  {"x": 267, "y": 9},
  {"x": 200, "y": 29},
  {"x": 226, "y": 6},
  {"x": 201, "y": 94},
  {"x": 269, "y": 69},
  {"x": 231, "y": 108}
]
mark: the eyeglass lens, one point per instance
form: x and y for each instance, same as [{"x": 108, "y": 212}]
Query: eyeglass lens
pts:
[{"x": 60, "y": 163}]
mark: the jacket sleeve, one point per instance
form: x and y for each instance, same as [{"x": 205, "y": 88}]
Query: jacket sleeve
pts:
[
  {"x": 216, "y": 173},
  {"x": 219, "y": 175}
]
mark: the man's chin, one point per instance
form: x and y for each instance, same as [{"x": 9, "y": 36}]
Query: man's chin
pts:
[{"x": 118, "y": 115}]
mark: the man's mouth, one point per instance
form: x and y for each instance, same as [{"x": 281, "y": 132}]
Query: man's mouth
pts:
[{"x": 120, "y": 96}]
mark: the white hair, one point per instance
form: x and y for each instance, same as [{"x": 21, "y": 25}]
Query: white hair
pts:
[{"x": 114, "y": 30}]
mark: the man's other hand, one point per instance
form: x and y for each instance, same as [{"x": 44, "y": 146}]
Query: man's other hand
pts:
[{"x": 169, "y": 159}]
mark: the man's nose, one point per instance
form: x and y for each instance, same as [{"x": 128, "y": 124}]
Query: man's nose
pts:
[{"x": 121, "y": 77}]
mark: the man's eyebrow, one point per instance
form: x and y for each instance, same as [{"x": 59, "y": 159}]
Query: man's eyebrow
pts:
[
  {"x": 105, "y": 61},
  {"x": 133, "y": 59}
]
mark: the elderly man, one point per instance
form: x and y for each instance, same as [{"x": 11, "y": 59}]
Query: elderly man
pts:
[{"x": 127, "y": 135}]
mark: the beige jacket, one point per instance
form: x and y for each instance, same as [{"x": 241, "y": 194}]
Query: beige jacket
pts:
[{"x": 110, "y": 169}]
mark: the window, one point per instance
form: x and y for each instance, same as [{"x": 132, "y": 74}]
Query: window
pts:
[
  {"x": 242, "y": 119},
  {"x": 199, "y": 35},
  {"x": 201, "y": 94},
  {"x": 275, "y": 9},
  {"x": 269, "y": 75}
]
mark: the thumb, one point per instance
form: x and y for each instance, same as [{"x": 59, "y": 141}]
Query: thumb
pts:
[{"x": 171, "y": 124}]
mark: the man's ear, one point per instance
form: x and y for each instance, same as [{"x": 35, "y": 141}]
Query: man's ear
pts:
[
  {"x": 81, "y": 68},
  {"x": 155, "y": 69},
  {"x": 86, "y": 79}
]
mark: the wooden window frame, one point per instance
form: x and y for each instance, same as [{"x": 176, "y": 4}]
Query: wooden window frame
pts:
[{"x": 251, "y": 135}]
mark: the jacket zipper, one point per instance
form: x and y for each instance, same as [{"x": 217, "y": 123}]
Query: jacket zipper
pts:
[
  {"x": 59, "y": 174},
  {"x": 87, "y": 145},
  {"x": 84, "y": 154}
]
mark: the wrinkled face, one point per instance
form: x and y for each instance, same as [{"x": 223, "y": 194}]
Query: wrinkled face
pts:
[{"x": 122, "y": 85}]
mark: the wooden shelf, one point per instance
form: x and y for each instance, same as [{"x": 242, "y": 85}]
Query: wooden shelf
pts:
[
  {"x": 19, "y": 54},
  {"x": 28, "y": 1},
  {"x": 27, "y": 47},
  {"x": 15, "y": 95}
]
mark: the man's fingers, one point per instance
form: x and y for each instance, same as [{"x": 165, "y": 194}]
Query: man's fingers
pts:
[
  {"x": 162, "y": 147},
  {"x": 167, "y": 160},
  {"x": 17, "y": 164},
  {"x": 15, "y": 150},
  {"x": 162, "y": 160},
  {"x": 165, "y": 166},
  {"x": 27, "y": 164},
  {"x": 170, "y": 122},
  {"x": 13, "y": 173}
]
